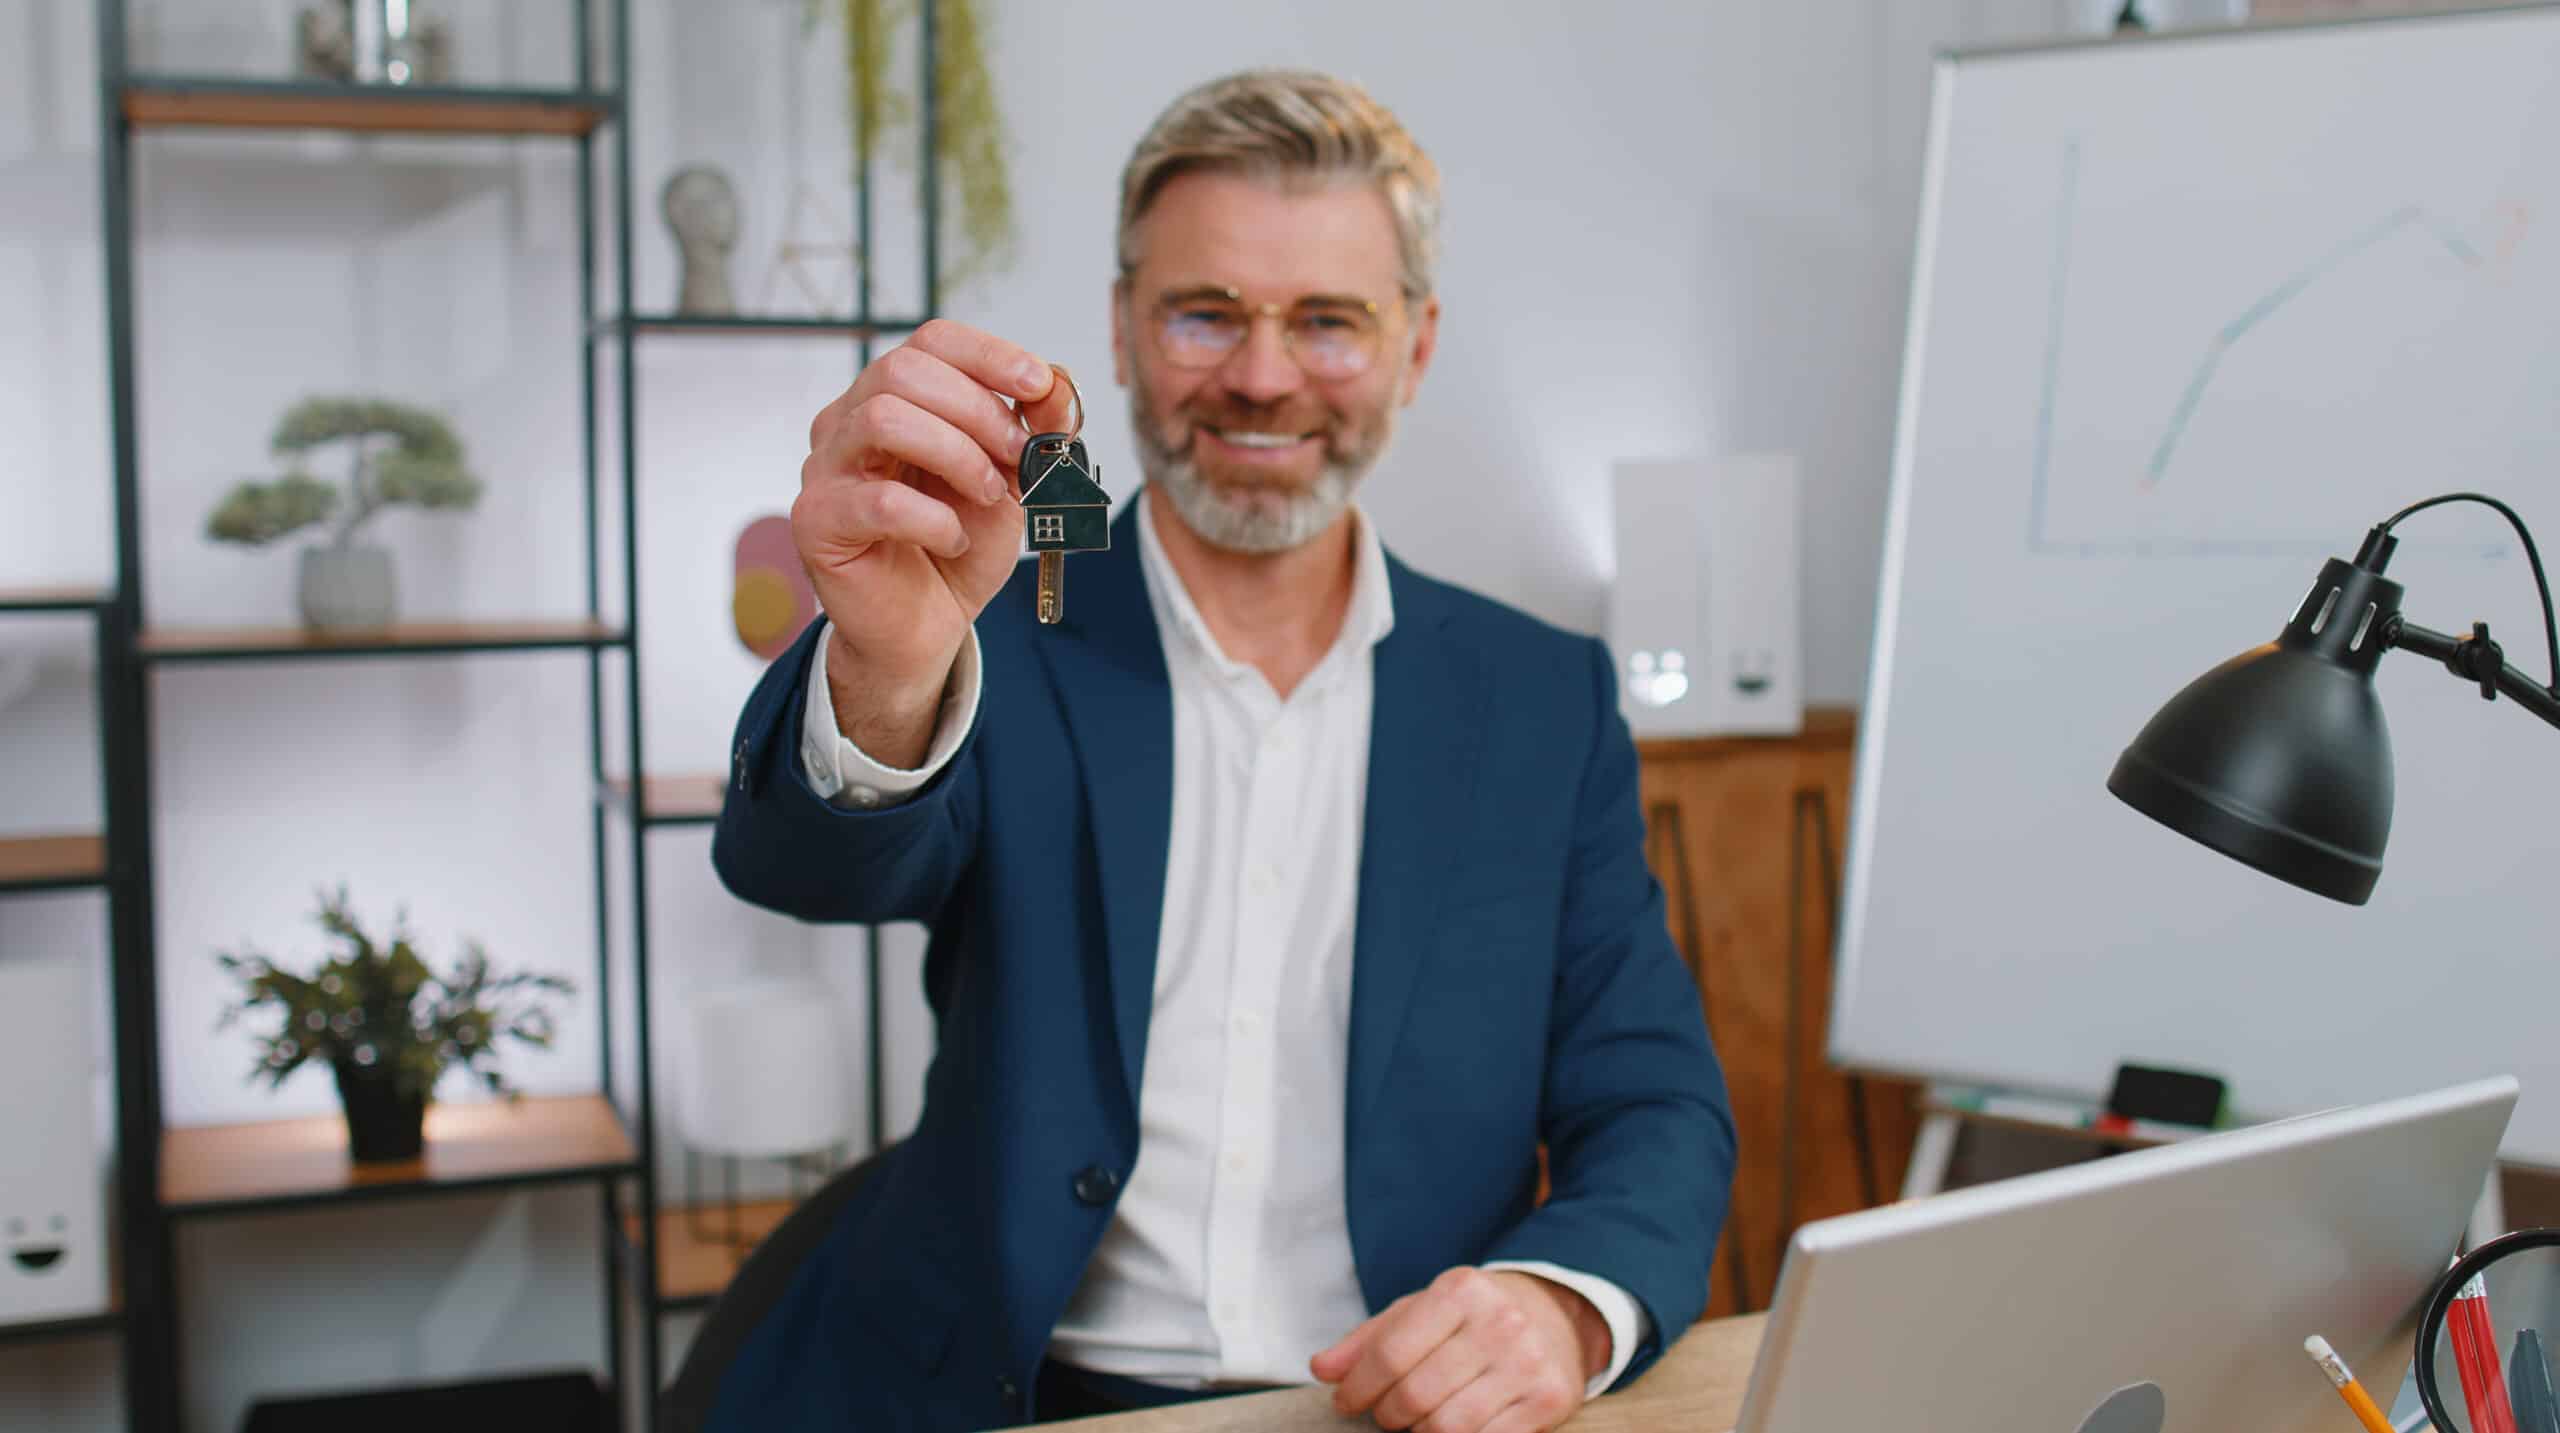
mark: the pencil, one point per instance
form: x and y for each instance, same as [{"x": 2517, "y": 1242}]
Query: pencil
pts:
[
  {"x": 2367, "y": 1413},
  {"x": 2475, "y": 1348}
]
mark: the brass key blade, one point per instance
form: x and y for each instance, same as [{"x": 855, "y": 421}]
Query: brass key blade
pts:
[{"x": 1053, "y": 586}]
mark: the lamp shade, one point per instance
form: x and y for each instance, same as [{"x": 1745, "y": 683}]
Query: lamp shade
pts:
[
  {"x": 2279, "y": 758},
  {"x": 770, "y": 1074}
]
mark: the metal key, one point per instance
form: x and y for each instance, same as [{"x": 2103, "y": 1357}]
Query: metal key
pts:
[{"x": 1063, "y": 501}]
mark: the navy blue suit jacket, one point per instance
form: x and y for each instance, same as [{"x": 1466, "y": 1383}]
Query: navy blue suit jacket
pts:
[{"x": 1513, "y": 983}]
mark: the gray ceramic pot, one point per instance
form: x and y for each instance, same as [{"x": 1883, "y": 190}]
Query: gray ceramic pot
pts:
[{"x": 347, "y": 586}]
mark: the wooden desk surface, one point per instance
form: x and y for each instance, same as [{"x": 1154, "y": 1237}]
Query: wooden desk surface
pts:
[{"x": 1697, "y": 1387}]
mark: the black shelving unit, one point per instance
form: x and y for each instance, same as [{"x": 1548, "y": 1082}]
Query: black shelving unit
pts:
[
  {"x": 176, "y": 1177},
  {"x": 80, "y": 861},
  {"x": 690, "y": 1281}
]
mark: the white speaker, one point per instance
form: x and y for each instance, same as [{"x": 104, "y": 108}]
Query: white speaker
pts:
[
  {"x": 1705, "y": 615},
  {"x": 53, "y": 1256}
]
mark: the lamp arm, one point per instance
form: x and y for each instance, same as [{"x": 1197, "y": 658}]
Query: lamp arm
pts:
[{"x": 2476, "y": 659}]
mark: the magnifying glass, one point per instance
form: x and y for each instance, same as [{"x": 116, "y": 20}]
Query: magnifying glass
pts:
[{"x": 2484, "y": 1305}]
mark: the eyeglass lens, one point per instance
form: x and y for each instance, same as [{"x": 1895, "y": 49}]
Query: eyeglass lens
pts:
[{"x": 1329, "y": 339}]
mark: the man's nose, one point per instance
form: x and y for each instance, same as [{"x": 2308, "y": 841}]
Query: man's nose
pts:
[{"x": 1261, "y": 369}]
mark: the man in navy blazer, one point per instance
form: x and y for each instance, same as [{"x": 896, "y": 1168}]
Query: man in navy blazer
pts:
[{"x": 1285, "y": 904}]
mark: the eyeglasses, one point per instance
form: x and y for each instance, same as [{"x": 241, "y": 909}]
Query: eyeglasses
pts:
[{"x": 1332, "y": 337}]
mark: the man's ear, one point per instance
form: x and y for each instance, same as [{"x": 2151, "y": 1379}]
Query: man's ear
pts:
[
  {"x": 1120, "y": 332},
  {"x": 1425, "y": 340}
]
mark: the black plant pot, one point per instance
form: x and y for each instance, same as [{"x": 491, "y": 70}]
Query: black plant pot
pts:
[{"x": 382, "y": 1123}]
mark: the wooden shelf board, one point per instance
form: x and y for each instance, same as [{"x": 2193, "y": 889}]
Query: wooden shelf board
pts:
[
  {"x": 672, "y": 800},
  {"x": 209, "y": 643},
  {"x": 50, "y": 862},
  {"x": 279, "y": 1163},
  {"x": 53, "y": 599},
  {"x": 1823, "y": 727},
  {"x": 242, "y": 104},
  {"x": 105, "y": 1321},
  {"x": 759, "y": 326},
  {"x": 693, "y": 1269}
]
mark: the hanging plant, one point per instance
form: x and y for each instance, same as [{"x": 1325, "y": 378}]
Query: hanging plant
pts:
[
  {"x": 969, "y": 137},
  {"x": 969, "y": 142}
]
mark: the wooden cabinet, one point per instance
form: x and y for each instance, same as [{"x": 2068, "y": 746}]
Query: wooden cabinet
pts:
[{"x": 1746, "y": 835}]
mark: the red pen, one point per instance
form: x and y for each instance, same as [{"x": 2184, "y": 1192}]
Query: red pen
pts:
[{"x": 2475, "y": 1359}]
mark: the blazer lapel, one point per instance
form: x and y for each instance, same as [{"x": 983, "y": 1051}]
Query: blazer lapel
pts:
[
  {"x": 1118, "y": 704},
  {"x": 1425, "y": 741}
]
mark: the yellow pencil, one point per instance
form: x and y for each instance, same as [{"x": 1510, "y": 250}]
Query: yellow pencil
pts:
[{"x": 2359, "y": 1400}]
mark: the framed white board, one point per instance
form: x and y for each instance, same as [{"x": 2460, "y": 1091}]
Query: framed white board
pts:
[{"x": 2190, "y": 314}]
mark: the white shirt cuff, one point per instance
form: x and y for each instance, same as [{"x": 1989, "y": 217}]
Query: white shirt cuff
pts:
[
  {"x": 1628, "y": 1322},
  {"x": 839, "y": 771}
]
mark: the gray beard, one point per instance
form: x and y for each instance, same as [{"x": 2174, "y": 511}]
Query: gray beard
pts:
[
  {"x": 1223, "y": 520},
  {"x": 1249, "y": 524}
]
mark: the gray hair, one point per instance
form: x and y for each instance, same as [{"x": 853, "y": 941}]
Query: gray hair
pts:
[{"x": 1288, "y": 125}]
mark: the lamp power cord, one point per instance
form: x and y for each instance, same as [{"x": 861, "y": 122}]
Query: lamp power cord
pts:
[{"x": 2476, "y": 657}]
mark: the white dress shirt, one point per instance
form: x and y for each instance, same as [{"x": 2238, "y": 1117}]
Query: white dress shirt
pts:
[{"x": 1228, "y": 1258}]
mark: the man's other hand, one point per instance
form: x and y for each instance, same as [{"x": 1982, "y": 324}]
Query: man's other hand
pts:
[{"x": 1480, "y": 1351}]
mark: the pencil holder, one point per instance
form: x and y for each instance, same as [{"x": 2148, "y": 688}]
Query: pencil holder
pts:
[{"x": 2440, "y": 1302}]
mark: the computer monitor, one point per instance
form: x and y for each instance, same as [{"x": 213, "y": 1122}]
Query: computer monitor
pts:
[{"x": 2165, "y": 1290}]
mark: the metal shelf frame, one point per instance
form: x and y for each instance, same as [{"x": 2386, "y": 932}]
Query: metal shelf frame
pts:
[
  {"x": 132, "y": 105},
  {"x": 52, "y": 875},
  {"x": 590, "y": 113}
]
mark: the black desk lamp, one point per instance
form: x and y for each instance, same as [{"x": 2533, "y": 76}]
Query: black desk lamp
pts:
[{"x": 2279, "y": 757}]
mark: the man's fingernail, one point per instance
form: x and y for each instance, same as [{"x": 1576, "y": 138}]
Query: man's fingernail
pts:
[{"x": 1033, "y": 376}]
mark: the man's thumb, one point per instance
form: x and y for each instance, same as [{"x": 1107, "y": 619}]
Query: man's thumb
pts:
[{"x": 1335, "y": 1364}]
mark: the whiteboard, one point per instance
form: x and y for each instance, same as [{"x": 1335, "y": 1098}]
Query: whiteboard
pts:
[{"x": 2189, "y": 315}]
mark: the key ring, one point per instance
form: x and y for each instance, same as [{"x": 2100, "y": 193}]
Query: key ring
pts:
[
  {"x": 1060, "y": 448},
  {"x": 1073, "y": 397}
]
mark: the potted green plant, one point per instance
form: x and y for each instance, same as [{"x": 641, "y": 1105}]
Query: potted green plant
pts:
[
  {"x": 398, "y": 455},
  {"x": 387, "y": 1025}
]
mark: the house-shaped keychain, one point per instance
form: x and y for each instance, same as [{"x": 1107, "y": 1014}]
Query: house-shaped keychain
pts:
[
  {"x": 1066, "y": 509},
  {"x": 1062, "y": 497}
]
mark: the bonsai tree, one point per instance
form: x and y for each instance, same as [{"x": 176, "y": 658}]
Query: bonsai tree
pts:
[
  {"x": 386, "y": 1024},
  {"x": 397, "y": 454}
]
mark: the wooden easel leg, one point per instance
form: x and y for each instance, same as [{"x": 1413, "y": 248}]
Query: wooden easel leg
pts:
[{"x": 1813, "y": 805}]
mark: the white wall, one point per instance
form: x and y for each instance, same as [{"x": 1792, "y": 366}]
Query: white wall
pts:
[{"x": 1670, "y": 228}]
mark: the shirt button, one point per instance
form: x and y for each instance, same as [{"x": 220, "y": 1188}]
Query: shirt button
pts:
[
  {"x": 1247, "y": 1022},
  {"x": 1095, "y": 1184},
  {"x": 1235, "y": 1164},
  {"x": 1008, "y": 1390},
  {"x": 864, "y": 796}
]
